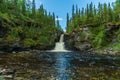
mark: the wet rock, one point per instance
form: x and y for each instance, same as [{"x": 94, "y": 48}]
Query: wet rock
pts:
[
  {"x": 87, "y": 76},
  {"x": 92, "y": 63},
  {"x": 13, "y": 52},
  {"x": 7, "y": 73},
  {"x": 78, "y": 40},
  {"x": 8, "y": 76},
  {"x": 82, "y": 46}
]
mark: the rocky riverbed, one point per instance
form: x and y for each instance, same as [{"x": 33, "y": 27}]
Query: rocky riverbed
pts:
[
  {"x": 36, "y": 65},
  {"x": 24, "y": 66}
]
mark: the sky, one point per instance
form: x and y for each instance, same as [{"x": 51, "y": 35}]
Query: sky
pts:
[{"x": 62, "y": 7}]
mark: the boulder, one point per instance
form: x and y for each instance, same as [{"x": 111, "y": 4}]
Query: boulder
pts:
[
  {"x": 78, "y": 39},
  {"x": 83, "y": 46}
]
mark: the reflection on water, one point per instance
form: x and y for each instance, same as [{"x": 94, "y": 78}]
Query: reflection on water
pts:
[{"x": 63, "y": 66}]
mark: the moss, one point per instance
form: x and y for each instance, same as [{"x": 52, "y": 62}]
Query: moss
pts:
[
  {"x": 99, "y": 38},
  {"x": 14, "y": 34},
  {"x": 6, "y": 17},
  {"x": 28, "y": 42},
  {"x": 1, "y": 39},
  {"x": 117, "y": 46}
]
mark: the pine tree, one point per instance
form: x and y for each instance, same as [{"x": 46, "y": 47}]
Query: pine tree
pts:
[
  {"x": 82, "y": 16},
  {"x": 57, "y": 23},
  {"x": 53, "y": 16},
  {"x": 67, "y": 21},
  {"x": 90, "y": 13},
  {"x": 77, "y": 11},
  {"x": 110, "y": 13},
  {"x": 100, "y": 14},
  {"x": 24, "y": 7},
  {"x": 91, "y": 10},
  {"x": 1, "y": 4},
  {"x": 117, "y": 10},
  {"x": 73, "y": 10},
  {"x": 33, "y": 9},
  {"x": 105, "y": 13},
  {"x": 28, "y": 7},
  {"x": 87, "y": 14},
  {"x": 1, "y": 1},
  {"x": 95, "y": 11}
]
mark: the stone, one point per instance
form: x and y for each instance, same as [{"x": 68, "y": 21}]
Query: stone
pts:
[
  {"x": 13, "y": 52},
  {"x": 83, "y": 46},
  {"x": 87, "y": 76},
  {"x": 7, "y": 73},
  {"x": 8, "y": 76}
]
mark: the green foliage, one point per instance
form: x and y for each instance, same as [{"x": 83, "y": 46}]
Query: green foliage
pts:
[
  {"x": 21, "y": 21},
  {"x": 117, "y": 10},
  {"x": 117, "y": 45},
  {"x": 83, "y": 36},
  {"x": 5, "y": 17},
  {"x": 1, "y": 39},
  {"x": 99, "y": 39},
  {"x": 93, "y": 16},
  {"x": 14, "y": 34},
  {"x": 96, "y": 18},
  {"x": 29, "y": 42},
  {"x": 43, "y": 40}
]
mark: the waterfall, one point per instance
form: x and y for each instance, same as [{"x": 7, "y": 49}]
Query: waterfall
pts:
[
  {"x": 59, "y": 46},
  {"x": 61, "y": 38}
]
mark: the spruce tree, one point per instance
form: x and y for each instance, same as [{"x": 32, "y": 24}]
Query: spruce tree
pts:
[
  {"x": 73, "y": 10},
  {"x": 67, "y": 21},
  {"x": 33, "y": 8},
  {"x": 24, "y": 7}
]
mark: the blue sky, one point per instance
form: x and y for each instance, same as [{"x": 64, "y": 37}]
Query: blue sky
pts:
[{"x": 62, "y": 7}]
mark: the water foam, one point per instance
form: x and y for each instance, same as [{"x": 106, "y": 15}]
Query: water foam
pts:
[{"x": 60, "y": 46}]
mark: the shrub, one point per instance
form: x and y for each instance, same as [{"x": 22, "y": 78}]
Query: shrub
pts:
[
  {"x": 99, "y": 39},
  {"x": 28, "y": 42}
]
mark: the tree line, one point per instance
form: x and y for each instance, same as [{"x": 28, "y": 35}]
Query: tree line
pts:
[
  {"x": 102, "y": 22},
  {"x": 21, "y": 21},
  {"x": 94, "y": 16}
]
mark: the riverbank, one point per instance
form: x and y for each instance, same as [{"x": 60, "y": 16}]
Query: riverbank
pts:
[
  {"x": 100, "y": 40},
  {"x": 94, "y": 28},
  {"x": 106, "y": 51},
  {"x": 24, "y": 65},
  {"x": 20, "y": 30}
]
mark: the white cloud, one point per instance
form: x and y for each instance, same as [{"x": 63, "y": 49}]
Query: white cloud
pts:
[{"x": 58, "y": 19}]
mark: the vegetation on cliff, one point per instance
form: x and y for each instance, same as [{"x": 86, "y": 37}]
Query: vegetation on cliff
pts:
[
  {"x": 102, "y": 23},
  {"x": 22, "y": 25}
]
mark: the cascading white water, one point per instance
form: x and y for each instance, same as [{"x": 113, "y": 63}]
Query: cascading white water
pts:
[
  {"x": 61, "y": 38},
  {"x": 60, "y": 47}
]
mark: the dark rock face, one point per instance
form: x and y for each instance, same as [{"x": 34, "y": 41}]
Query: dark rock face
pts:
[
  {"x": 82, "y": 46},
  {"x": 78, "y": 40},
  {"x": 17, "y": 46},
  {"x": 9, "y": 47},
  {"x": 111, "y": 26},
  {"x": 82, "y": 39}
]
